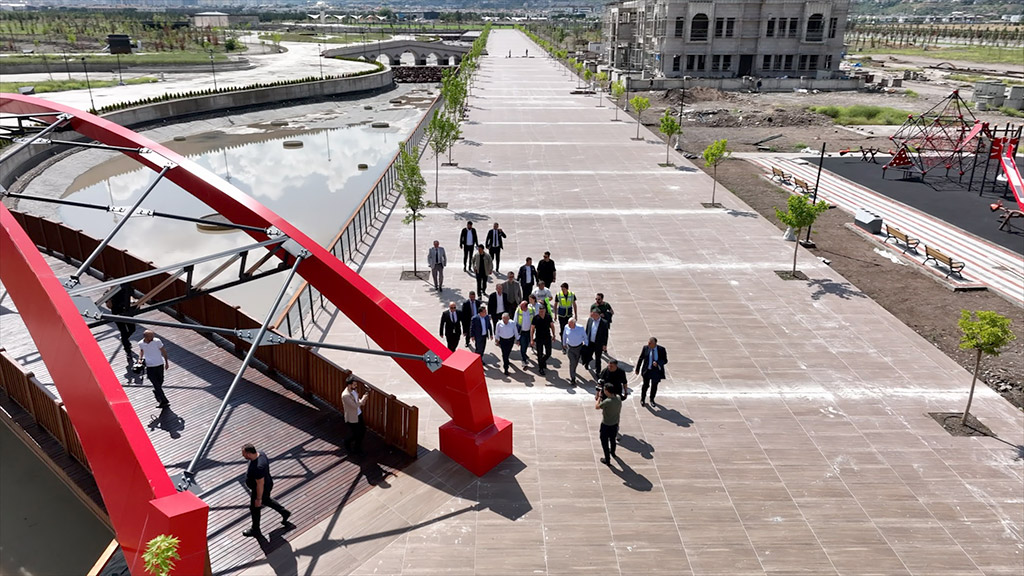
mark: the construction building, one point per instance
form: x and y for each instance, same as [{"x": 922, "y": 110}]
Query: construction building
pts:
[{"x": 726, "y": 38}]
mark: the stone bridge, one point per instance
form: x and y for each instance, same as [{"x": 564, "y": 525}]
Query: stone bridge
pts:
[{"x": 391, "y": 51}]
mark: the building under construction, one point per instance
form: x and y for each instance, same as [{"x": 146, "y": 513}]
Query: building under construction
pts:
[{"x": 726, "y": 38}]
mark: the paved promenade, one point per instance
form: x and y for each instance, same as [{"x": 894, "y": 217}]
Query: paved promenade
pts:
[{"x": 793, "y": 434}]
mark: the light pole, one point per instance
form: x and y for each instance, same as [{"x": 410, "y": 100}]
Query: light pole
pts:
[
  {"x": 213, "y": 71},
  {"x": 92, "y": 104},
  {"x": 66, "y": 65},
  {"x": 120, "y": 79},
  {"x": 47, "y": 64},
  {"x": 807, "y": 242},
  {"x": 320, "y": 59}
]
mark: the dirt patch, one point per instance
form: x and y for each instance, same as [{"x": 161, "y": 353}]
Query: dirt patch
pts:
[
  {"x": 915, "y": 299},
  {"x": 953, "y": 423}
]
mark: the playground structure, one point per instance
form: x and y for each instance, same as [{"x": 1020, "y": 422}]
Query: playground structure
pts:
[{"x": 949, "y": 137}]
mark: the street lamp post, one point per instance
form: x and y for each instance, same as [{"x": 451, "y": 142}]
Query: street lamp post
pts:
[
  {"x": 92, "y": 104},
  {"x": 213, "y": 71},
  {"x": 66, "y": 65},
  {"x": 320, "y": 59},
  {"x": 120, "y": 79}
]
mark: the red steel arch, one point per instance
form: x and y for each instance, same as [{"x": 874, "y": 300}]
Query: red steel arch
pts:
[{"x": 139, "y": 495}]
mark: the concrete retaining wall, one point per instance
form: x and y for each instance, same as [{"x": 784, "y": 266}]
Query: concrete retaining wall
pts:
[
  {"x": 176, "y": 110},
  {"x": 747, "y": 83}
]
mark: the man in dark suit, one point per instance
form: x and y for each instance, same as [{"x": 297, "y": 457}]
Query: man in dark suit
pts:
[
  {"x": 494, "y": 245},
  {"x": 451, "y": 326},
  {"x": 651, "y": 365},
  {"x": 498, "y": 304},
  {"x": 527, "y": 277},
  {"x": 470, "y": 308},
  {"x": 597, "y": 340},
  {"x": 480, "y": 328},
  {"x": 468, "y": 240}
]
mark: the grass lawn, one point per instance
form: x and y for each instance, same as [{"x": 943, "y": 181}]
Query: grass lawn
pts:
[
  {"x": 75, "y": 60},
  {"x": 980, "y": 54},
  {"x": 859, "y": 114},
  {"x": 332, "y": 39},
  {"x": 62, "y": 85}
]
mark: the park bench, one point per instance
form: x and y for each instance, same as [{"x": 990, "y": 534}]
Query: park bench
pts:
[
  {"x": 953, "y": 266},
  {"x": 779, "y": 175},
  {"x": 892, "y": 233},
  {"x": 803, "y": 185}
]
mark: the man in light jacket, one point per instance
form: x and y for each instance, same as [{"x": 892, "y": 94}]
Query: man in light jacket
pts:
[
  {"x": 353, "y": 407},
  {"x": 437, "y": 260}
]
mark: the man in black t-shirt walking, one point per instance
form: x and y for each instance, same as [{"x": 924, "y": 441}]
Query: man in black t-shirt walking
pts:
[{"x": 260, "y": 483}]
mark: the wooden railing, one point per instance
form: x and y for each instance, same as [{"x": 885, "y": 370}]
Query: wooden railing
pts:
[
  {"x": 392, "y": 419},
  {"x": 48, "y": 411},
  {"x": 301, "y": 311}
]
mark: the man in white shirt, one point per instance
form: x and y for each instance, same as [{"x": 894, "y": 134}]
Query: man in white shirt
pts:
[
  {"x": 524, "y": 320},
  {"x": 505, "y": 337},
  {"x": 153, "y": 355},
  {"x": 574, "y": 338},
  {"x": 437, "y": 260},
  {"x": 352, "y": 406},
  {"x": 543, "y": 295},
  {"x": 468, "y": 241}
]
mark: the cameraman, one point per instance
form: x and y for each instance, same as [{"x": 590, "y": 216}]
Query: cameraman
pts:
[{"x": 610, "y": 406}]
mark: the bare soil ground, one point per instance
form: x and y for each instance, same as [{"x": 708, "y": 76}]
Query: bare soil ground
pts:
[{"x": 917, "y": 300}]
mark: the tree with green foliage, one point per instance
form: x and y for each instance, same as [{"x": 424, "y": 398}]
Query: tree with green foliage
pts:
[
  {"x": 587, "y": 77},
  {"x": 618, "y": 89},
  {"x": 578, "y": 66},
  {"x": 411, "y": 186},
  {"x": 602, "y": 79},
  {"x": 713, "y": 155},
  {"x": 639, "y": 103},
  {"x": 160, "y": 554},
  {"x": 670, "y": 127},
  {"x": 986, "y": 332},
  {"x": 800, "y": 213},
  {"x": 441, "y": 132}
]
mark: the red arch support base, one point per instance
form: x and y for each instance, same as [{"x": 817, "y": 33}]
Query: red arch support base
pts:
[{"x": 129, "y": 474}]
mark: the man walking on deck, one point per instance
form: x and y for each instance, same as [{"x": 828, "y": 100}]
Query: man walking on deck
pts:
[{"x": 260, "y": 484}]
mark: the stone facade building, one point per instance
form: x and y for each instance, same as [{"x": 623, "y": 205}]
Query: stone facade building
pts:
[{"x": 726, "y": 38}]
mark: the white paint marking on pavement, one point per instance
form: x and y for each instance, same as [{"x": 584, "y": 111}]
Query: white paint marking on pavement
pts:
[
  {"x": 605, "y": 123},
  {"x": 654, "y": 264},
  {"x": 568, "y": 172},
  {"x": 609, "y": 212}
]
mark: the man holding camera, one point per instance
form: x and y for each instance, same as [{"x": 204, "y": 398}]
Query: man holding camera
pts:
[{"x": 610, "y": 406}]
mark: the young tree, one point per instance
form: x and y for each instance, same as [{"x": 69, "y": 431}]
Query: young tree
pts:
[
  {"x": 800, "y": 214},
  {"x": 639, "y": 103},
  {"x": 670, "y": 127},
  {"x": 587, "y": 77},
  {"x": 714, "y": 155},
  {"x": 579, "y": 72},
  {"x": 441, "y": 132},
  {"x": 618, "y": 89},
  {"x": 411, "y": 186},
  {"x": 987, "y": 335},
  {"x": 160, "y": 554}
]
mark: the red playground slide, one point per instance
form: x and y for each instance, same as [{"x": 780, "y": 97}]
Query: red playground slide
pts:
[{"x": 1012, "y": 175}]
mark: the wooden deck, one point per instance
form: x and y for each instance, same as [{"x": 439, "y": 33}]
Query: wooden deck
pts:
[{"x": 313, "y": 476}]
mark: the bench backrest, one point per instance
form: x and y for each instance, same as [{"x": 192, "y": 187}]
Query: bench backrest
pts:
[
  {"x": 895, "y": 232},
  {"x": 777, "y": 172},
  {"x": 800, "y": 183},
  {"x": 934, "y": 253}
]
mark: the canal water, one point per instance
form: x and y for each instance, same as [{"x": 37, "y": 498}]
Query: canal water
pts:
[
  {"x": 315, "y": 186},
  {"x": 44, "y": 528}
]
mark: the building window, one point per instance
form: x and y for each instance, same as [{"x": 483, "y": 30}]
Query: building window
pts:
[
  {"x": 766, "y": 62},
  {"x": 803, "y": 62},
  {"x": 770, "y": 32},
  {"x": 721, "y": 62},
  {"x": 695, "y": 62},
  {"x": 794, "y": 25},
  {"x": 725, "y": 27},
  {"x": 828, "y": 62},
  {"x": 789, "y": 62},
  {"x": 676, "y": 62},
  {"x": 699, "y": 28},
  {"x": 815, "y": 28},
  {"x": 833, "y": 23},
  {"x": 813, "y": 62},
  {"x": 680, "y": 24}
]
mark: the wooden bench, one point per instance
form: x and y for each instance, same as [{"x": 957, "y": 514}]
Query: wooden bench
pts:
[
  {"x": 895, "y": 233},
  {"x": 779, "y": 175},
  {"x": 953, "y": 266},
  {"x": 803, "y": 185}
]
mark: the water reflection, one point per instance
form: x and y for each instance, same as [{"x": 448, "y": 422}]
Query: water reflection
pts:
[{"x": 316, "y": 188}]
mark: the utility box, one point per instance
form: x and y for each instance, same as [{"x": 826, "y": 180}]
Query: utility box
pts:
[
  {"x": 868, "y": 220},
  {"x": 119, "y": 43}
]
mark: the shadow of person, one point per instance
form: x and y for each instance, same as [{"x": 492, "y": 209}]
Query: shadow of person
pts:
[
  {"x": 169, "y": 422},
  {"x": 374, "y": 474},
  {"x": 631, "y": 478},
  {"x": 283, "y": 561},
  {"x": 671, "y": 415},
  {"x": 638, "y": 445}
]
